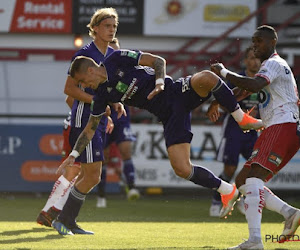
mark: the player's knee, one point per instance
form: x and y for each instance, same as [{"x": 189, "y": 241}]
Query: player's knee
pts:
[
  {"x": 208, "y": 76},
  {"x": 94, "y": 179},
  {"x": 182, "y": 170},
  {"x": 205, "y": 80},
  {"x": 71, "y": 172}
]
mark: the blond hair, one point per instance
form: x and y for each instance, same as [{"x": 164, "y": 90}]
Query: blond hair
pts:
[{"x": 99, "y": 16}]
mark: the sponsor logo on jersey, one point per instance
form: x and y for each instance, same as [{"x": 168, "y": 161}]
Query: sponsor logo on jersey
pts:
[
  {"x": 274, "y": 158},
  {"x": 264, "y": 98},
  {"x": 129, "y": 53},
  {"x": 131, "y": 90},
  {"x": 121, "y": 87}
]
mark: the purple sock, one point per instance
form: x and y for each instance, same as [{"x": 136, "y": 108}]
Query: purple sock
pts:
[
  {"x": 204, "y": 177},
  {"x": 72, "y": 207},
  {"x": 224, "y": 96},
  {"x": 128, "y": 170}
]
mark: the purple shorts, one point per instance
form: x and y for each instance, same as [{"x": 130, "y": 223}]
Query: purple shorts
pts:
[
  {"x": 122, "y": 130},
  {"x": 93, "y": 151},
  {"x": 177, "y": 128}
]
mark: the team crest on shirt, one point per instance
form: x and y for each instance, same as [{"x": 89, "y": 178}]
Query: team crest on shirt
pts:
[
  {"x": 254, "y": 153},
  {"x": 274, "y": 158}
]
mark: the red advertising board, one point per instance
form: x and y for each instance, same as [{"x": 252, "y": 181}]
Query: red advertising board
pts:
[{"x": 42, "y": 16}]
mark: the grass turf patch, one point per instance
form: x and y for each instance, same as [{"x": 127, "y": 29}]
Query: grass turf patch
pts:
[{"x": 163, "y": 223}]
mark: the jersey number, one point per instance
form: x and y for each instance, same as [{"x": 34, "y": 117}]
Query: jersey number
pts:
[{"x": 185, "y": 85}]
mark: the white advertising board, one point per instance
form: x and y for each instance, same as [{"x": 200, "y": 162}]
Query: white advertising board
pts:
[
  {"x": 154, "y": 170},
  {"x": 198, "y": 18}
]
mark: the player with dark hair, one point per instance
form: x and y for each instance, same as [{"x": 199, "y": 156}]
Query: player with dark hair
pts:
[
  {"x": 277, "y": 144},
  {"x": 138, "y": 79}
]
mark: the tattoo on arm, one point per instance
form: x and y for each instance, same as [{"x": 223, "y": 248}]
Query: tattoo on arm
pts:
[
  {"x": 82, "y": 141},
  {"x": 87, "y": 134},
  {"x": 94, "y": 121},
  {"x": 160, "y": 68}
]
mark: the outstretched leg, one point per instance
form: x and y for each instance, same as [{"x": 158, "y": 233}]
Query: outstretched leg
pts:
[
  {"x": 179, "y": 155},
  {"x": 206, "y": 81}
]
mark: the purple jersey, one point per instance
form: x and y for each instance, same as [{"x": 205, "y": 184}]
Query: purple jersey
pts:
[
  {"x": 131, "y": 83},
  {"x": 81, "y": 110}
]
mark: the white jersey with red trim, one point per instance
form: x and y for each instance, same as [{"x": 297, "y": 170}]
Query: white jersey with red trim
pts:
[{"x": 279, "y": 99}]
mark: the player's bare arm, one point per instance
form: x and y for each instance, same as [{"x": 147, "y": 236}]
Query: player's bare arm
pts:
[
  {"x": 159, "y": 65},
  {"x": 87, "y": 134},
  {"x": 83, "y": 140},
  {"x": 72, "y": 89},
  {"x": 69, "y": 101},
  {"x": 252, "y": 84}
]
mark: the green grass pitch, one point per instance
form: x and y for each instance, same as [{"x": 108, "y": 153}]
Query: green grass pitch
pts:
[{"x": 150, "y": 223}]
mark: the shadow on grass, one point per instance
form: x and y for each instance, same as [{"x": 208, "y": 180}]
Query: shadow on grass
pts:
[
  {"x": 20, "y": 239},
  {"x": 19, "y": 232}
]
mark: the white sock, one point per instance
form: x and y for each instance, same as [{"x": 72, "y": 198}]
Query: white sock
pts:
[
  {"x": 287, "y": 211},
  {"x": 225, "y": 188},
  {"x": 274, "y": 203},
  {"x": 238, "y": 115},
  {"x": 56, "y": 192},
  {"x": 254, "y": 203},
  {"x": 59, "y": 204}
]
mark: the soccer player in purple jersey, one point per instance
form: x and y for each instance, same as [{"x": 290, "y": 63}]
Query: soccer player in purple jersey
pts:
[
  {"x": 103, "y": 27},
  {"x": 139, "y": 79},
  {"x": 123, "y": 137}
]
